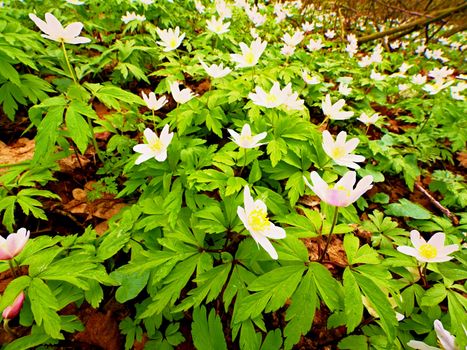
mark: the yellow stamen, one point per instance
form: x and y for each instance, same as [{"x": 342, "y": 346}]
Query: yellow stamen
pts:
[
  {"x": 249, "y": 57},
  {"x": 157, "y": 146},
  {"x": 258, "y": 220},
  {"x": 173, "y": 43},
  {"x": 428, "y": 251},
  {"x": 338, "y": 152}
]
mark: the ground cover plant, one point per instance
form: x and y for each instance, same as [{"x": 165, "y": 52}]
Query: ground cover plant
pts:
[{"x": 230, "y": 175}]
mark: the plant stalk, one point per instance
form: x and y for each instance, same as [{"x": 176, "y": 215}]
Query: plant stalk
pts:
[
  {"x": 72, "y": 72},
  {"x": 334, "y": 221}
]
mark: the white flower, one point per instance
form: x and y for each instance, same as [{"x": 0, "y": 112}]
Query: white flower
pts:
[
  {"x": 215, "y": 71},
  {"x": 308, "y": 27},
  {"x": 365, "y": 61},
  {"x": 446, "y": 340},
  {"x": 440, "y": 74},
  {"x": 419, "y": 79},
  {"x": 128, "y": 17},
  {"x": 342, "y": 194},
  {"x": 293, "y": 40},
  {"x": 315, "y": 45},
  {"x": 432, "y": 251},
  {"x": 456, "y": 90},
  {"x": 344, "y": 89},
  {"x": 377, "y": 76},
  {"x": 291, "y": 98},
  {"x": 217, "y": 26},
  {"x": 438, "y": 86},
  {"x": 75, "y": 2},
  {"x": 403, "y": 87},
  {"x": 364, "y": 118},
  {"x": 340, "y": 150},
  {"x": 351, "y": 49},
  {"x": 199, "y": 6},
  {"x": 182, "y": 96},
  {"x": 333, "y": 111},
  {"x": 156, "y": 147},
  {"x": 287, "y": 50},
  {"x": 395, "y": 44},
  {"x": 330, "y": 34},
  {"x": 254, "y": 33},
  {"x": 274, "y": 98},
  {"x": 152, "y": 102},
  {"x": 310, "y": 80},
  {"x": 255, "y": 219},
  {"x": 223, "y": 10},
  {"x": 147, "y": 2},
  {"x": 170, "y": 39},
  {"x": 245, "y": 139},
  {"x": 54, "y": 30},
  {"x": 250, "y": 55},
  {"x": 420, "y": 49}
]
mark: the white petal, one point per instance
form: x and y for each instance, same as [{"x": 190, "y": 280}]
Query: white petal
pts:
[
  {"x": 275, "y": 232},
  {"x": 150, "y": 136},
  {"x": 142, "y": 158},
  {"x": 409, "y": 251},
  {"x": 437, "y": 240},
  {"x": 73, "y": 29},
  {"x": 267, "y": 246},
  {"x": 416, "y": 239}
]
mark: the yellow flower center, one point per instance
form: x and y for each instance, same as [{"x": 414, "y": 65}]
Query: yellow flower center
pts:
[
  {"x": 338, "y": 152},
  {"x": 173, "y": 43},
  {"x": 250, "y": 58},
  {"x": 271, "y": 98},
  {"x": 246, "y": 138},
  {"x": 258, "y": 220},
  {"x": 157, "y": 146},
  {"x": 428, "y": 251},
  {"x": 342, "y": 189}
]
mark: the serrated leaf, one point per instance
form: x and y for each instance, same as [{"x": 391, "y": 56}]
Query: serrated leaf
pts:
[
  {"x": 329, "y": 289},
  {"x": 207, "y": 331},
  {"x": 48, "y": 132},
  {"x": 273, "y": 289},
  {"x": 352, "y": 301},
  {"x": 380, "y": 302},
  {"x": 210, "y": 284},
  {"x": 434, "y": 296},
  {"x": 301, "y": 312},
  {"x": 44, "y": 307},
  {"x": 78, "y": 128}
]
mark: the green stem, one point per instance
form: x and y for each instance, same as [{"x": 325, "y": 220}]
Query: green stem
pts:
[
  {"x": 94, "y": 141},
  {"x": 334, "y": 221},
  {"x": 244, "y": 162},
  {"x": 7, "y": 328},
  {"x": 68, "y": 63},
  {"x": 12, "y": 268}
]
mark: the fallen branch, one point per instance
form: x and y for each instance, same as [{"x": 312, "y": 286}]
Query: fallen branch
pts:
[
  {"x": 438, "y": 205},
  {"x": 438, "y": 15}
]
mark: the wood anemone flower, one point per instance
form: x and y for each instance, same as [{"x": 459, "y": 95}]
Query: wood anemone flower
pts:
[
  {"x": 13, "y": 244},
  {"x": 54, "y": 30}
]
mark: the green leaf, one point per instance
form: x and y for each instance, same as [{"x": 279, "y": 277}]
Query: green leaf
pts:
[
  {"x": 44, "y": 307},
  {"x": 207, "y": 331},
  {"x": 33, "y": 340},
  {"x": 273, "y": 289},
  {"x": 78, "y": 127},
  {"x": 351, "y": 244},
  {"x": 210, "y": 284},
  {"x": 47, "y": 133},
  {"x": 112, "y": 243},
  {"x": 380, "y": 302},
  {"x": 434, "y": 296},
  {"x": 354, "y": 342},
  {"x": 457, "y": 312},
  {"x": 255, "y": 172},
  {"x": 273, "y": 340},
  {"x": 408, "y": 209},
  {"x": 353, "y": 304},
  {"x": 329, "y": 289},
  {"x": 301, "y": 312},
  {"x": 131, "y": 283}
]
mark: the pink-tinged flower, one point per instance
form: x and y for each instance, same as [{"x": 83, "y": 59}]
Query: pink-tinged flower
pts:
[
  {"x": 13, "y": 310},
  {"x": 445, "y": 339},
  {"x": 255, "y": 219},
  {"x": 54, "y": 30},
  {"x": 13, "y": 244},
  {"x": 342, "y": 194},
  {"x": 430, "y": 252},
  {"x": 156, "y": 147},
  {"x": 245, "y": 139},
  {"x": 340, "y": 150}
]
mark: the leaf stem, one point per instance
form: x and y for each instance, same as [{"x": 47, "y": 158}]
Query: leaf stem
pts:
[
  {"x": 12, "y": 268},
  {"x": 244, "y": 162},
  {"x": 334, "y": 221},
  {"x": 72, "y": 72}
]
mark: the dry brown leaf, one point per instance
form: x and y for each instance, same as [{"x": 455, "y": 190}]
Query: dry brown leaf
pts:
[
  {"x": 70, "y": 163},
  {"x": 20, "y": 151},
  {"x": 462, "y": 158}
]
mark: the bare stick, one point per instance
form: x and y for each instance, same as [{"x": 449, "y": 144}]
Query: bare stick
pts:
[{"x": 438, "y": 205}]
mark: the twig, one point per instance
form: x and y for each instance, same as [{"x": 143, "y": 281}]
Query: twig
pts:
[{"x": 438, "y": 205}]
